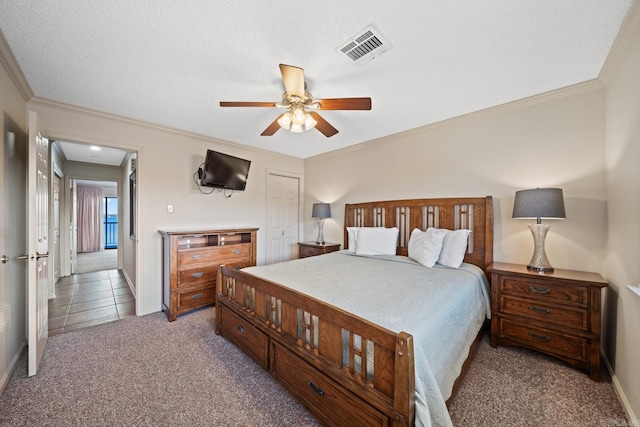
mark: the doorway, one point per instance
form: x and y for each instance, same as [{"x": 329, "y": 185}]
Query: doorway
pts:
[{"x": 94, "y": 287}]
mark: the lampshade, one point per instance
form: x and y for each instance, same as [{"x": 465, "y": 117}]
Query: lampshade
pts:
[
  {"x": 321, "y": 210},
  {"x": 309, "y": 122},
  {"x": 539, "y": 203},
  {"x": 285, "y": 120}
]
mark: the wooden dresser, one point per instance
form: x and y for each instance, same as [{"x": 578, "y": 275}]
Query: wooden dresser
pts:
[
  {"x": 554, "y": 313},
  {"x": 190, "y": 261},
  {"x": 308, "y": 249}
]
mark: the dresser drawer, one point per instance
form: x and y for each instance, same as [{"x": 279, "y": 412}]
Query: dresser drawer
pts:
[
  {"x": 217, "y": 254},
  {"x": 196, "y": 298},
  {"x": 320, "y": 394},
  {"x": 566, "y": 316},
  {"x": 544, "y": 290},
  {"x": 244, "y": 335},
  {"x": 544, "y": 340},
  {"x": 196, "y": 276},
  {"x": 306, "y": 251}
]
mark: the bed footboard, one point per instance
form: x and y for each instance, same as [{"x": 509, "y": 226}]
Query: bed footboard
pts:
[{"x": 344, "y": 369}]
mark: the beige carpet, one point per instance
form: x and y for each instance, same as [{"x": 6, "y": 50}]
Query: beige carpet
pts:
[
  {"x": 97, "y": 261},
  {"x": 148, "y": 371}
]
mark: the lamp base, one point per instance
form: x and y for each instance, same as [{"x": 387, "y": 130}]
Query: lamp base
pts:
[
  {"x": 320, "y": 239},
  {"x": 539, "y": 262}
]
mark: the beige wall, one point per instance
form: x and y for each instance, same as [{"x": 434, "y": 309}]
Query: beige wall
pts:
[
  {"x": 166, "y": 161},
  {"x": 12, "y": 274},
  {"x": 557, "y": 143},
  {"x": 622, "y": 260}
]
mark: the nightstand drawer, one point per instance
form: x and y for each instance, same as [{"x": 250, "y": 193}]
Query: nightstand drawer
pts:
[
  {"x": 569, "y": 317},
  {"x": 545, "y": 291},
  {"x": 306, "y": 251},
  {"x": 544, "y": 340}
]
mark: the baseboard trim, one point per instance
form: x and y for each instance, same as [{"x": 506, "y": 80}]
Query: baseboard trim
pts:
[
  {"x": 130, "y": 283},
  {"x": 632, "y": 419},
  {"x": 12, "y": 367}
]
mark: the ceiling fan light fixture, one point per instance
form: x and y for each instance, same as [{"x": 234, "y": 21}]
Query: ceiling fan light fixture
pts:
[
  {"x": 296, "y": 128},
  {"x": 309, "y": 122},
  {"x": 285, "y": 120},
  {"x": 298, "y": 115}
]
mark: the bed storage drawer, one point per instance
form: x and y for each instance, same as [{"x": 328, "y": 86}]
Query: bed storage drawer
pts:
[
  {"x": 331, "y": 404},
  {"x": 244, "y": 335}
]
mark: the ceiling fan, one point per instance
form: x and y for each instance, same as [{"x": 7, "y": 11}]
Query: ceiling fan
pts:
[{"x": 296, "y": 100}]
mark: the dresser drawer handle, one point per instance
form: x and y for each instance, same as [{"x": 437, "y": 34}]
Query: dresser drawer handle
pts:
[
  {"x": 539, "y": 337},
  {"x": 539, "y": 310},
  {"x": 240, "y": 328},
  {"x": 197, "y": 296},
  {"x": 198, "y": 274},
  {"x": 237, "y": 251},
  {"x": 315, "y": 388},
  {"x": 199, "y": 256},
  {"x": 539, "y": 290}
]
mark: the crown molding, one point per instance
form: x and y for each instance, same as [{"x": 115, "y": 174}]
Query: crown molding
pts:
[
  {"x": 35, "y": 101},
  {"x": 11, "y": 65},
  {"x": 564, "y": 92},
  {"x": 630, "y": 24}
]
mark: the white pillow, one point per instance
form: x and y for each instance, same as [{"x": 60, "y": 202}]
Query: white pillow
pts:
[
  {"x": 454, "y": 247},
  {"x": 424, "y": 246},
  {"x": 376, "y": 241},
  {"x": 351, "y": 238}
]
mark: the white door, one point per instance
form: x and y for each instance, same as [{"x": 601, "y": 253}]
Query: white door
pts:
[
  {"x": 56, "y": 228},
  {"x": 283, "y": 195},
  {"x": 38, "y": 244},
  {"x": 73, "y": 256},
  {"x": 13, "y": 230}
]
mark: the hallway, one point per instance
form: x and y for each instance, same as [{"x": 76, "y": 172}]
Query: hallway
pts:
[{"x": 89, "y": 299}]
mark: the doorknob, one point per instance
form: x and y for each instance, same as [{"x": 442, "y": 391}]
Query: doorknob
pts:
[{"x": 5, "y": 259}]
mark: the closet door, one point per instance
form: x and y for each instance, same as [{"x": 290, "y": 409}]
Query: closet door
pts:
[{"x": 282, "y": 232}]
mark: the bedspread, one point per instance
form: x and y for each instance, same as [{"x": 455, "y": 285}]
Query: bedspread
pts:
[{"x": 442, "y": 308}]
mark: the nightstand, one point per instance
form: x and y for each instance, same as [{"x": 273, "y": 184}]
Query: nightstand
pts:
[
  {"x": 308, "y": 249},
  {"x": 554, "y": 313}
]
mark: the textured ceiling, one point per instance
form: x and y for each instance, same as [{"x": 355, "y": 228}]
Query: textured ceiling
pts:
[{"x": 171, "y": 62}]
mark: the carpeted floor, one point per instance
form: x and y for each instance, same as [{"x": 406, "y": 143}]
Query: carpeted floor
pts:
[
  {"x": 148, "y": 371},
  {"x": 97, "y": 261}
]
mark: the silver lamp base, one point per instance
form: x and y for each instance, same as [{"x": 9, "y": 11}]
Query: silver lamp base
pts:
[
  {"x": 539, "y": 261},
  {"x": 320, "y": 239}
]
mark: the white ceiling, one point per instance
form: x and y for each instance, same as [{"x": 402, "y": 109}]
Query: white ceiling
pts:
[
  {"x": 171, "y": 62},
  {"x": 92, "y": 153}
]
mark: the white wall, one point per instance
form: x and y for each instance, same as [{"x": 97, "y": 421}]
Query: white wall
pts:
[
  {"x": 622, "y": 260},
  {"x": 166, "y": 161},
  {"x": 555, "y": 143},
  {"x": 12, "y": 274}
]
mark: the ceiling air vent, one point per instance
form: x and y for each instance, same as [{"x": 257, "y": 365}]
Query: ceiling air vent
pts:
[{"x": 364, "y": 46}]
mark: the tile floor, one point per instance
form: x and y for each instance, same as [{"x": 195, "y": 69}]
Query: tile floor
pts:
[{"x": 89, "y": 299}]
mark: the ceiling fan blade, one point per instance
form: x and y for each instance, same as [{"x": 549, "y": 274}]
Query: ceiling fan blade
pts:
[
  {"x": 272, "y": 128},
  {"x": 246, "y": 104},
  {"x": 323, "y": 125},
  {"x": 344, "y": 103},
  {"x": 293, "y": 78}
]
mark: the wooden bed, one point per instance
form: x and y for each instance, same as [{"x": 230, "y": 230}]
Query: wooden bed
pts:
[{"x": 299, "y": 339}]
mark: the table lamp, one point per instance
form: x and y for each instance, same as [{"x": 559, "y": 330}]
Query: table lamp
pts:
[{"x": 321, "y": 211}]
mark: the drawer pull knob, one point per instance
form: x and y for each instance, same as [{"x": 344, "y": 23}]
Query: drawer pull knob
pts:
[
  {"x": 198, "y": 274},
  {"x": 199, "y": 256},
  {"x": 240, "y": 328},
  {"x": 197, "y": 296},
  {"x": 539, "y": 310},
  {"x": 538, "y": 337},
  {"x": 315, "y": 388},
  {"x": 539, "y": 290},
  {"x": 237, "y": 251}
]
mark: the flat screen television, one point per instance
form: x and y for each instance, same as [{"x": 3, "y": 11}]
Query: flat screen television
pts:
[{"x": 224, "y": 171}]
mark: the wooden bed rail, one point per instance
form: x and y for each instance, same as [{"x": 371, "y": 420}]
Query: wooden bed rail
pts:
[{"x": 371, "y": 362}]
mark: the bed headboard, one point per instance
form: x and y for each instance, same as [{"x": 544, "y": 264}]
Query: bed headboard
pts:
[{"x": 473, "y": 213}]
